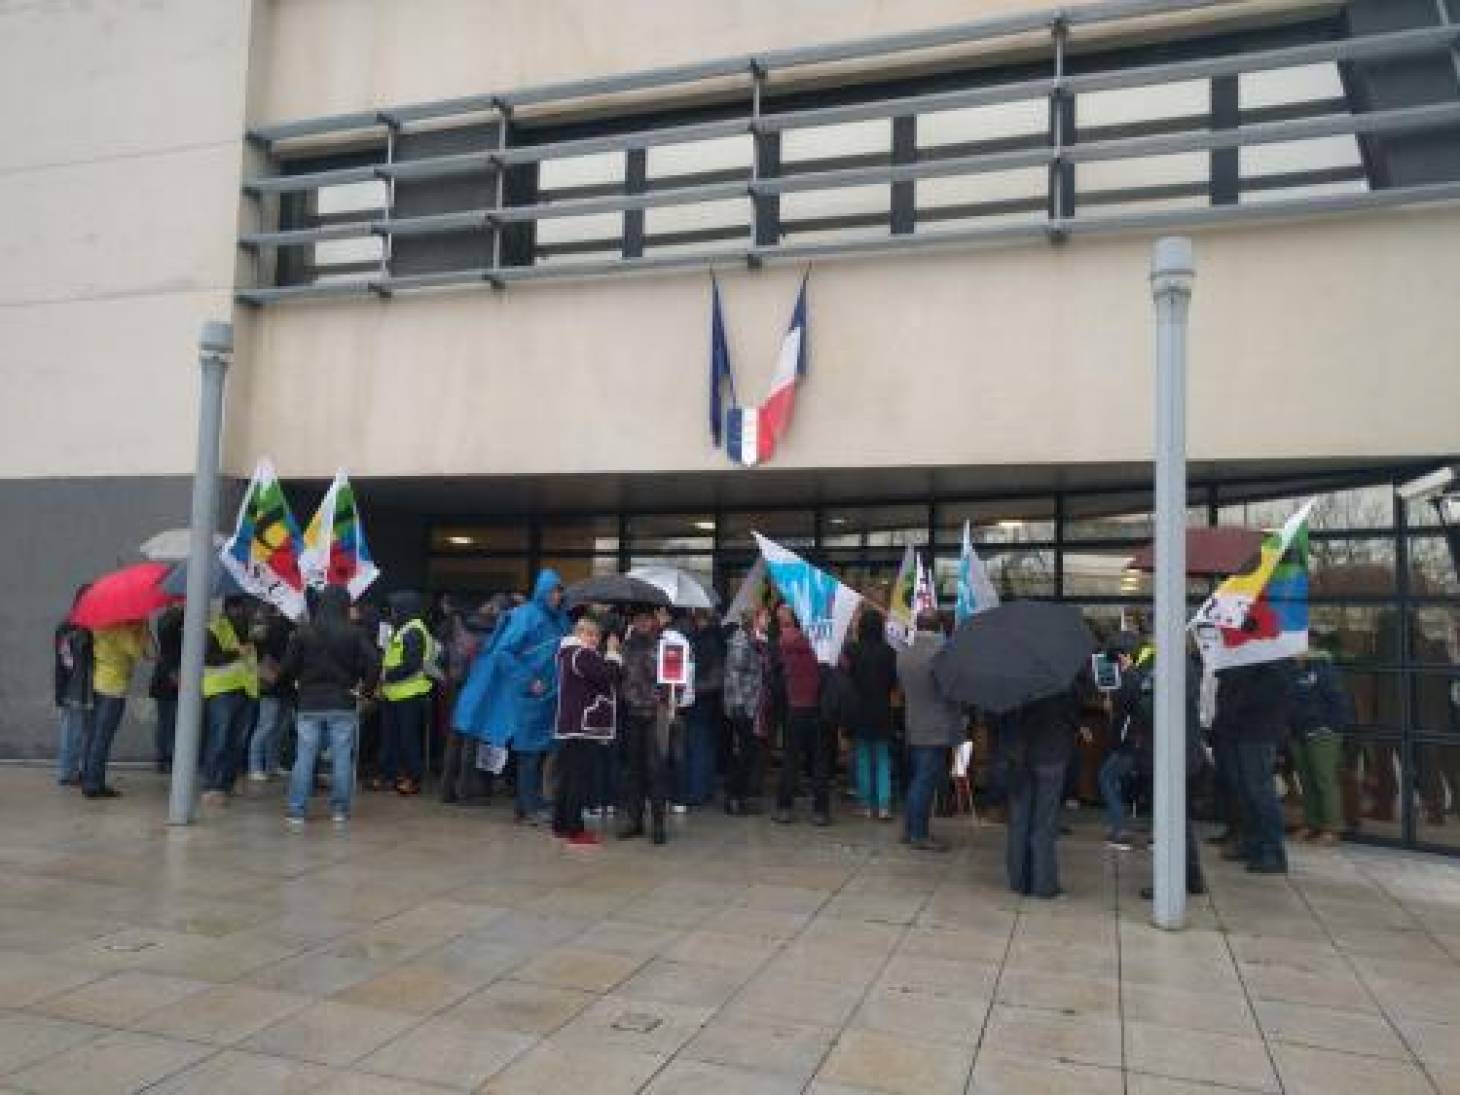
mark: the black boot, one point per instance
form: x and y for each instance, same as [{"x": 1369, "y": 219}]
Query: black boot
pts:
[
  {"x": 632, "y": 827},
  {"x": 659, "y": 835}
]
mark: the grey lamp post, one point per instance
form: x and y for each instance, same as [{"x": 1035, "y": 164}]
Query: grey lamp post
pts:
[
  {"x": 1172, "y": 274},
  {"x": 215, "y": 350}
]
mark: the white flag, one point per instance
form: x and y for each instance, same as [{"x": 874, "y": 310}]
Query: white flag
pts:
[{"x": 823, "y": 605}]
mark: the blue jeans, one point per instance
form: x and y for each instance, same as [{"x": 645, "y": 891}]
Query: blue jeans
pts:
[
  {"x": 341, "y": 726},
  {"x": 166, "y": 729},
  {"x": 926, "y": 762},
  {"x": 1113, "y": 774},
  {"x": 529, "y": 784},
  {"x": 226, "y": 716},
  {"x": 105, "y": 720},
  {"x": 1034, "y": 813},
  {"x": 263, "y": 746},
  {"x": 874, "y": 773},
  {"x": 72, "y": 751},
  {"x": 697, "y": 777},
  {"x": 1263, "y": 839}
]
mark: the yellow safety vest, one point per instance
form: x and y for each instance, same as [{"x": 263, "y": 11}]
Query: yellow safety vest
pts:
[
  {"x": 251, "y": 671},
  {"x": 231, "y": 676},
  {"x": 418, "y": 683}
]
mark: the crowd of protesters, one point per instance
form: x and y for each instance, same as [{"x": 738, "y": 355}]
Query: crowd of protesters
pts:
[{"x": 571, "y": 711}]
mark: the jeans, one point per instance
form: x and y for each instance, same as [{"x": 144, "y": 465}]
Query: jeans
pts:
[
  {"x": 263, "y": 746},
  {"x": 75, "y": 720},
  {"x": 529, "y": 783},
  {"x": 166, "y": 729},
  {"x": 1317, "y": 756},
  {"x": 1034, "y": 809},
  {"x": 575, "y": 774},
  {"x": 226, "y": 716},
  {"x": 1113, "y": 775},
  {"x": 697, "y": 779},
  {"x": 804, "y": 740},
  {"x": 1229, "y": 785},
  {"x": 926, "y": 763},
  {"x": 874, "y": 773},
  {"x": 403, "y": 722},
  {"x": 341, "y": 726},
  {"x": 744, "y": 758},
  {"x": 1263, "y": 839},
  {"x": 105, "y": 720},
  {"x": 603, "y": 776},
  {"x": 648, "y": 767}
]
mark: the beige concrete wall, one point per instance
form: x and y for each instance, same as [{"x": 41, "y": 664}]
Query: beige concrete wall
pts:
[
  {"x": 118, "y": 206},
  {"x": 1324, "y": 338}
]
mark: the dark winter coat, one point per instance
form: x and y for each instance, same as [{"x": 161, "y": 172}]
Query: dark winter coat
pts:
[
  {"x": 1043, "y": 732},
  {"x": 169, "y": 655},
  {"x": 872, "y": 664},
  {"x": 639, "y": 687},
  {"x": 802, "y": 671},
  {"x": 1319, "y": 701},
  {"x": 329, "y": 658},
  {"x": 1255, "y": 702},
  {"x": 587, "y": 692},
  {"x": 72, "y": 652}
]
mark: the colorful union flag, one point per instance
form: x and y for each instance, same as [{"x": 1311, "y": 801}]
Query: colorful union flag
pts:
[
  {"x": 335, "y": 552},
  {"x": 901, "y": 609},
  {"x": 263, "y": 553},
  {"x": 1262, "y": 615}
]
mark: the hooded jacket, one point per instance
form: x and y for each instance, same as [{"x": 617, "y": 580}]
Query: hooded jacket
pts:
[
  {"x": 497, "y": 703},
  {"x": 328, "y": 658},
  {"x": 1319, "y": 701},
  {"x": 73, "y": 666},
  {"x": 405, "y": 607}
]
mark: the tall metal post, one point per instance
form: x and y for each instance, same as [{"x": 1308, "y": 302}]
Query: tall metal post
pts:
[
  {"x": 1172, "y": 273},
  {"x": 215, "y": 349}
]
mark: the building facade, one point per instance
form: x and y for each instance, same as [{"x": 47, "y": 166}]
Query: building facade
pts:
[{"x": 467, "y": 250}]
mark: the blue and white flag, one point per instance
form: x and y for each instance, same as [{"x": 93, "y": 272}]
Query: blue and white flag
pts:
[
  {"x": 823, "y": 606},
  {"x": 976, "y": 591}
]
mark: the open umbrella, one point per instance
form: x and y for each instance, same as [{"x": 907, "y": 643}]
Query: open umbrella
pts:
[
  {"x": 171, "y": 545},
  {"x": 1014, "y": 654},
  {"x": 224, "y": 583},
  {"x": 682, "y": 588},
  {"x": 122, "y": 597},
  {"x": 1210, "y": 551},
  {"x": 614, "y": 589}
]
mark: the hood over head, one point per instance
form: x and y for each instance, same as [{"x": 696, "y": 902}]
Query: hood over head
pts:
[
  {"x": 547, "y": 581},
  {"x": 405, "y": 605}
]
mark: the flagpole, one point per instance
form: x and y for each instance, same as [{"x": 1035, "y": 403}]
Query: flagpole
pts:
[
  {"x": 215, "y": 350},
  {"x": 1172, "y": 273}
]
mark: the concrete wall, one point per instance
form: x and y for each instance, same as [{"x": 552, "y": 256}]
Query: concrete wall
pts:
[{"x": 1324, "y": 338}]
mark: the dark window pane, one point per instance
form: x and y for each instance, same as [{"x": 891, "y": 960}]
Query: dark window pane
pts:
[
  {"x": 476, "y": 575},
  {"x": 1370, "y": 786},
  {"x": 574, "y": 568},
  {"x": 1435, "y": 635},
  {"x": 1437, "y": 774},
  {"x": 672, "y": 531},
  {"x": 479, "y": 537},
  {"x": 874, "y": 526},
  {"x": 1436, "y": 699},
  {"x": 599, "y": 533},
  {"x": 788, "y": 527},
  {"x": 997, "y": 521}
]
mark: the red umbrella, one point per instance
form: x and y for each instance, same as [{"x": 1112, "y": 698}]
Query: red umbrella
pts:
[
  {"x": 123, "y": 596},
  {"x": 1210, "y": 551}
]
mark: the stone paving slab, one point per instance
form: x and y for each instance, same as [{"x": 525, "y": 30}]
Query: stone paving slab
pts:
[{"x": 427, "y": 948}]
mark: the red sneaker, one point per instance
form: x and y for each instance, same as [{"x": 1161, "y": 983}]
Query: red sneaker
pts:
[{"x": 585, "y": 839}]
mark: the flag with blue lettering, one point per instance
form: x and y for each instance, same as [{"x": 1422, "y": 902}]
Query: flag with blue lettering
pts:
[{"x": 823, "y": 606}]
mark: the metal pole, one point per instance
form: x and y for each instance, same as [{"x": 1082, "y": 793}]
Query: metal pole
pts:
[
  {"x": 1172, "y": 274},
  {"x": 215, "y": 348}
]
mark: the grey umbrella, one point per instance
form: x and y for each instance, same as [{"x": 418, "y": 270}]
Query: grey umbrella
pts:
[{"x": 1014, "y": 654}]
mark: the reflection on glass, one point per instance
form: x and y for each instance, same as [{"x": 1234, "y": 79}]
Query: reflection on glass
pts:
[
  {"x": 1359, "y": 508},
  {"x": 1432, "y": 567},
  {"x": 480, "y": 537},
  {"x": 1436, "y": 698},
  {"x": 1351, "y": 566},
  {"x": 671, "y": 531},
  {"x": 1121, "y": 516},
  {"x": 480, "y": 576},
  {"x": 874, "y": 526},
  {"x": 997, "y": 521},
  {"x": 1370, "y": 786},
  {"x": 1435, "y": 635},
  {"x": 599, "y": 533},
  {"x": 1437, "y": 776},
  {"x": 789, "y": 527},
  {"x": 574, "y": 568}
]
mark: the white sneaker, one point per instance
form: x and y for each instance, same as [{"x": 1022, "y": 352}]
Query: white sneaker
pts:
[
  {"x": 340, "y": 818},
  {"x": 258, "y": 777},
  {"x": 294, "y": 822}
]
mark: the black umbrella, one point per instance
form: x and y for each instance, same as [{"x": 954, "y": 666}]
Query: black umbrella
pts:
[
  {"x": 615, "y": 589},
  {"x": 1014, "y": 654}
]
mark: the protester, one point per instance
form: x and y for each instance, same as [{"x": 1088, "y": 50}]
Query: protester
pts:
[
  {"x": 272, "y": 634},
  {"x": 933, "y": 725},
  {"x": 1321, "y": 711},
  {"x": 1254, "y": 704},
  {"x": 649, "y": 750},
  {"x": 704, "y": 717},
  {"x": 74, "y": 697},
  {"x": 226, "y": 681},
  {"x": 164, "y": 687},
  {"x": 1131, "y": 707},
  {"x": 328, "y": 664},
  {"x": 405, "y": 688},
  {"x": 1043, "y": 733},
  {"x": 1196, "y": 764},
  {"x": 587, "y": 717},
  {"x": 510, "y": 697},
  {"x": 461, "y": 780},
  {"x": 115, "y": 654},
  {"x": 746, "y": 707},
  {"x": 804, "y": 736},
  {"x": 872, "y": 666}
]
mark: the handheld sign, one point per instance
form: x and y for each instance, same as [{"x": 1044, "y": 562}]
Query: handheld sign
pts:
[{"x": 673, "y": 667}]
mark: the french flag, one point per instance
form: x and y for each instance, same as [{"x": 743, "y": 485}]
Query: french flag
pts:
[{"x": 751, "y": 433}]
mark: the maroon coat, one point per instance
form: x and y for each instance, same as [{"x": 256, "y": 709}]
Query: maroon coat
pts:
[
  {"x": 802, "y": 670},
  {"x": 587, "y": 692}
]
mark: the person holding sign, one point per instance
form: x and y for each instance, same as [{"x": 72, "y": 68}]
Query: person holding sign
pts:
[{"x": 658, "y": 672}]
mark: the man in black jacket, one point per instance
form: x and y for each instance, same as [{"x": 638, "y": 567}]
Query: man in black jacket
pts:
[
  {"x": 1043, "y": 735},
  {"x": 1254, "y": 703},
  {"x": 74, "y": 697},
  {"x": 332, "y": 663}
]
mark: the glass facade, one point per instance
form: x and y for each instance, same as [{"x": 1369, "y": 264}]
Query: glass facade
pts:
[{"x": 1384, "y": 589}]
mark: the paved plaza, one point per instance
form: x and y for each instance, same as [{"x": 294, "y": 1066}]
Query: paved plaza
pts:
[{"x": 432, "y": 948}]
